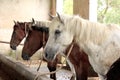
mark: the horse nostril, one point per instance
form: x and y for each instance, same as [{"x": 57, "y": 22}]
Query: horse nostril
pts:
[
  {"x": 13, "y": 47},
  {"x": 49, "y": 56},
  {"x": 25, "y": 56}
]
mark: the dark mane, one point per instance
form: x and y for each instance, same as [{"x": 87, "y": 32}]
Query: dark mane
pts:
[{"x": 42, "y": 29}]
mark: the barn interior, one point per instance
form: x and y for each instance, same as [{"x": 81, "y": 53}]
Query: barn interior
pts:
[{"x": 24, "y": 11}]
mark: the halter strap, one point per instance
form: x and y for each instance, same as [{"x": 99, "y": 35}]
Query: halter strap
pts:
[
  {"x": 26, "y": 32},
  {"x": 38, "y": 74},
  {"x": 44, "y": 42}
]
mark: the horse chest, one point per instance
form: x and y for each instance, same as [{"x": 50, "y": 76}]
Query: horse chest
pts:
[{"x": 94, "y": 54}]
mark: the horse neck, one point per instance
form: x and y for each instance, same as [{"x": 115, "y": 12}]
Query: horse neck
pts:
[
  {"x": 85, "y": 31},
  {"x": 45, "y": 38}
]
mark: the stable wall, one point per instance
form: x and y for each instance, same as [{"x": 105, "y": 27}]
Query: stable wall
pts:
[{"x": 22, "y": 10}]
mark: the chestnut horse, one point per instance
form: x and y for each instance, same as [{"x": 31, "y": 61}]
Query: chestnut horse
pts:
[
  {"x": 20, "y": 31},
  {"x": 79, "y": 58}
]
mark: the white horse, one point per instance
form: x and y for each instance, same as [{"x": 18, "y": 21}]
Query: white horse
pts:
[{"x": 101, "y": 42}]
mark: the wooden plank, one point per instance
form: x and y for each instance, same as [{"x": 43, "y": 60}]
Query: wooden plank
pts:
[{"x": 18, "y": 70}]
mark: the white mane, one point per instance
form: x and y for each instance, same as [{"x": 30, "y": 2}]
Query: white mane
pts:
[
  {"x": 42, "y": 23},
  {"x": 95, "y": 39},
  {"x": 86, "y": 31}
]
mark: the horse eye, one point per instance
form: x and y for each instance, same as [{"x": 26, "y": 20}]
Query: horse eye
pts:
[{"x": 57, "y": 32}]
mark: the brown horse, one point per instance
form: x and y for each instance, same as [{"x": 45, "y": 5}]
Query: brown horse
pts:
[
  {"x": 20, "y": 30},
  {"x": 78, "y": 58},
  {"x": 34, "y": 41}
]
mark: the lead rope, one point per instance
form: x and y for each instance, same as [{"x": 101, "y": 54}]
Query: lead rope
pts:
[
  {"x": 38, "y": 74},
  {"x": 42, "y": 53},
  {"x": 26, "y": 33}
]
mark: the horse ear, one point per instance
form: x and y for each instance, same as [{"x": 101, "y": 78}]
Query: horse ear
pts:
[
  {"x": 33, "y": 21},
  {"x": 17, "y": 22},
  {"x": 14, "y": 21},
  {"x": 59, "y": 17},
  {"x": 51, "y": 17}
]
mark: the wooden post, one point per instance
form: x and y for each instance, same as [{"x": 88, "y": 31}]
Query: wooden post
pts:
[
  {"x": 87, "y": 9},
  {"x": 81, "y": 7},
  {"x": 53, "y": 7}
]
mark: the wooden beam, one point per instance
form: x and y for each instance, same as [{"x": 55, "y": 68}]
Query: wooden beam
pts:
[
  {"x": 81, "y": 7},
  {"x": 18, "y": 71},
  {"x": 53, "y": 7}
]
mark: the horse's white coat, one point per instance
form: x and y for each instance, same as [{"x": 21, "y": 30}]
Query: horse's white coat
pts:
[
  {"x": 101, "y": 42},
  {"x": 41, "y": 23}
]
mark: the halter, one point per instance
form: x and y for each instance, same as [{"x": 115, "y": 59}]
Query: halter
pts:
[
  {"x": 38, "y": 74},
  {"x": 16, "y": 56},
  {"x": 44, "y": 42},
  {"x": 26, "y": 32}
]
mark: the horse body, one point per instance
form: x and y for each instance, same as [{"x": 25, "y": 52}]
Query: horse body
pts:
[{"x": 99, "y": 41}]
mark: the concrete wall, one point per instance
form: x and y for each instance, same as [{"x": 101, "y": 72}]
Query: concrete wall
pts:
[{"x": 22, "y": 10}]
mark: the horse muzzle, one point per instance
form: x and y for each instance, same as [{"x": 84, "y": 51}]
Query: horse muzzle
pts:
[
  {"x": 49, "y": 54},
  {"x": 13, "y": 47},
  {"x": 25, "y": 56}
]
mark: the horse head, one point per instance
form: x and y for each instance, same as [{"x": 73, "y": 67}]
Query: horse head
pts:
[
  {"x": 20, "y": 30},
  {"x": 59, "y": 38},
  {"x": 34, "y": 41}
]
